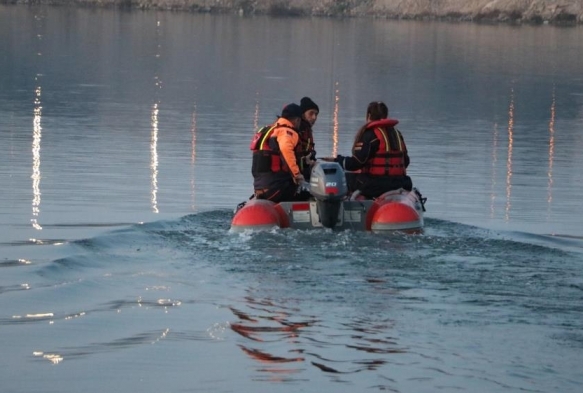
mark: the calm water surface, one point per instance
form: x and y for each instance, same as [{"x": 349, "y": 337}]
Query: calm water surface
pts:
[{"x": 124, "y": 148}]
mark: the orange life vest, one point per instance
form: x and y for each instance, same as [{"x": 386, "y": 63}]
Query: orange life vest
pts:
[
  {"x": 389, "y": 160},
  {"x": 266, "y": 155}
]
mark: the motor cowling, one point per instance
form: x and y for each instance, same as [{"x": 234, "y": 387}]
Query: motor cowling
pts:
[
  {"x": 328, "y": 187},
  {"x": 328, "y": 181}
]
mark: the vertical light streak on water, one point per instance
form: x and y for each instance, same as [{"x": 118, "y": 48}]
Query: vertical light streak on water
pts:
[
  {"x": 335, "y": 121},
  {"x": 509, "y": 160},
  {"x": 551, "y": 154},
  {"x": 36, "y": 137},
  {"x": 154, "y": 133},
  {"x": 494, "y": 163},
  {"x": 256, "y": 114},
  {"x": 36, "y": 141},
  {"x": 154, "y": 158},
  {"x": 193, "y": 155},
  {"x": 334, "y": 92}
]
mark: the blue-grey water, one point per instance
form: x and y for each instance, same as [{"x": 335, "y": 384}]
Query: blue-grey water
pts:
[{"x": 124, "y": 149}]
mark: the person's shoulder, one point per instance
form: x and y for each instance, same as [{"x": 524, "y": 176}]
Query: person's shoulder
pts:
[
  {"x": 283, "y": 124},
  {"x": 287, "y": 131},
  {"x": 370, "y": 131},
  {"x": 398, "y": 131}
]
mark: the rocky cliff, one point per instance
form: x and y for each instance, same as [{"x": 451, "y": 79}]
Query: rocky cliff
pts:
[{"x": 564, "y": 12}]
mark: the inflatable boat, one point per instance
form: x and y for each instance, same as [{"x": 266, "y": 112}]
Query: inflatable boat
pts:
[{"x": 331, "y": 207}]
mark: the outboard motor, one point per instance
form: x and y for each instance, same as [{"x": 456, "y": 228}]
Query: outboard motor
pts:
[{"x": 328, "y": 187}]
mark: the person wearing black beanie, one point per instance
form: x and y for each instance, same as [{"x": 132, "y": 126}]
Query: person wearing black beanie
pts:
[
  {"x": 305, "y": 151},
  {"x": 306, "y": 104}
]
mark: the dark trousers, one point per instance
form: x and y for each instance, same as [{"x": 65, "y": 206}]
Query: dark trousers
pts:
[{"x": 282, "y": 193}]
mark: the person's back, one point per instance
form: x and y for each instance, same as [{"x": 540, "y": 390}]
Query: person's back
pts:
[
  {"x": 379, "y": 158},
  {"x": 275, "y": 170},
  {"x": 386, "y": 168}
]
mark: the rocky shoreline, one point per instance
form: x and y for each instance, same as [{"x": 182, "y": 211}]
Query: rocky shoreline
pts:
[{"x": 556, "y": 12}]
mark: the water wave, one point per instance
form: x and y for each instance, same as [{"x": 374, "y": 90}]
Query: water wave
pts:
[{"x": 343, "y": 304}]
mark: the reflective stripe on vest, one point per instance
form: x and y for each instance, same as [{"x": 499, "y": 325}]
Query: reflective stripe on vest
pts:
[
  {"x": 388, "y": 160},
  {"x": 265, "y": 157}
]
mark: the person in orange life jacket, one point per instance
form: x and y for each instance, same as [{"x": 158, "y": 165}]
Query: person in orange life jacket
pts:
[
  {"x": 305, "y": 150},
  {"x": 379, "y": 153},
  {"x": 276, "y": 174}
]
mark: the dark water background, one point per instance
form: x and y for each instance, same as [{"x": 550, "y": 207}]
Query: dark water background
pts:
[{"x": 124, "y": 147}]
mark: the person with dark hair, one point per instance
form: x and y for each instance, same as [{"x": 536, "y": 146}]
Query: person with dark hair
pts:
[
  {"x": 379, "y": 158},
  {"x": 276, "y": 174},
  {"x": 305, "y": 151}
]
